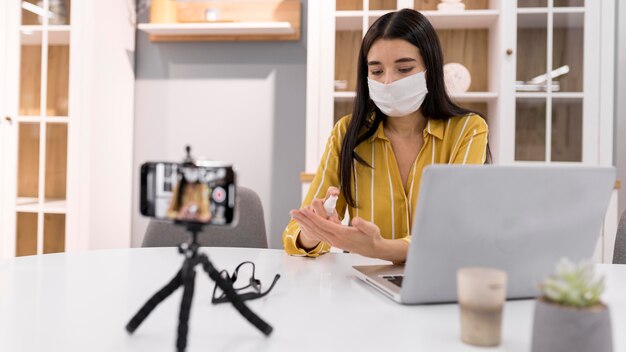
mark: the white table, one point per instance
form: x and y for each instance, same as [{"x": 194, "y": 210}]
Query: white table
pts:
[{"x": 82, "y": 301}]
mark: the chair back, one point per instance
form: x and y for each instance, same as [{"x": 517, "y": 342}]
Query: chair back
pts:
[{"x": 247, "y": 229}]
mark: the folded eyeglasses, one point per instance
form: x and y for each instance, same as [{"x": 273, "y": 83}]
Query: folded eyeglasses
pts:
[{"x": 253, "y": 284}]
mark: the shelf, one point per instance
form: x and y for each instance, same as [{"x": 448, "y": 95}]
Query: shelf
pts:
[
  {"x": 460, "y": 97},
  {"x": 544, "y": 10},
  {"x": 31, "y": 205},
  {"x": 544, "y": 95},
  {"x": 50, "y": 119},
  {"x": 560, "y": 19},
  {"x": 474, "y": 97},
  {"x": 352, "y": 14},
  {"x": 56, "y": 119},
  {"x": 55, "y": 206},
  {"x": 349, "y": 20},
  {"x": 26, "y": 201},
  {"x": 306, "y": 177},
  {"x": 36, "y": 119},
  {"x": 204, "y": 31},
  {"x": 242, "y": 20},
  {"x": 469, "y": 19},
  {"x": 57, "y": 35},
  {"x": 344, "y": 96}
]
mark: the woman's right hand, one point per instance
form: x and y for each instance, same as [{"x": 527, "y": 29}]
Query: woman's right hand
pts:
[{"x": 309, "y": 239}]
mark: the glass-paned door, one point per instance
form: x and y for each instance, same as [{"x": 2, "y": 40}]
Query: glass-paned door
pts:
[
  {"x": 41, "y": 126},
  {"x": 549, "y": 81}
]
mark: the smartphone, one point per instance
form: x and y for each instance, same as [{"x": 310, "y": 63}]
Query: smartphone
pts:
[{"x": 203, "y": 191}]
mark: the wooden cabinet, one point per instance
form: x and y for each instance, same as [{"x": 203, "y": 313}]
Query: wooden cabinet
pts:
[
  {"x": 35, "y": 126},
  {"x": 235, "y": 20},
  {"x": 51, "y": 134},
  {"x": 504, "y": 45}
]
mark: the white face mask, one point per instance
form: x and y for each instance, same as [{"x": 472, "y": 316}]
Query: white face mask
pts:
[
  {"x": 191, "y": 175},
  {"x": 399, "y": 98}
]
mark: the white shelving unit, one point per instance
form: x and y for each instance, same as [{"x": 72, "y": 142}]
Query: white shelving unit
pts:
[
  {"x": 63, "y": 185},
  {"x": 36, "y": 133},
  {"x": 569, "y": 126}
]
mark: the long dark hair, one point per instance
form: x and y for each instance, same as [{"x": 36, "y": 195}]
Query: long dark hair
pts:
[
  {"x": 182, "y": 183},
  {"x": 412, "y": 26}
]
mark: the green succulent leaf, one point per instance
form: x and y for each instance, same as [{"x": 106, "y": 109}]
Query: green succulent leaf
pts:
[{"x": 573, "y": 284}]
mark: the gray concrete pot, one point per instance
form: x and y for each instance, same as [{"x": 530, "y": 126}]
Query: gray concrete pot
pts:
[{"x": 559, "y": 329}]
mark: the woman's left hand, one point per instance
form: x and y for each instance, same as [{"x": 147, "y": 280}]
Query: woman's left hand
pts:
[{"x": 363, "y": 237}]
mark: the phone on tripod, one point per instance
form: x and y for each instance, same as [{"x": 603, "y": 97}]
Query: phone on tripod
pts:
[
  {"x": 192, "y": 194},
  {"x": 198, "y": 191}
]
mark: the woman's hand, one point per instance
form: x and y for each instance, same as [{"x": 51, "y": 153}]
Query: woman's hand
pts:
[
  {"x": 308, "y": 238},
  {"x": 190, "y": 212},
  {"x": 363, "y": 237}
]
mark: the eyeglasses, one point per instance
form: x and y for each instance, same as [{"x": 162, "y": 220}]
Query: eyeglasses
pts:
[{"x": 246, "y": 268}]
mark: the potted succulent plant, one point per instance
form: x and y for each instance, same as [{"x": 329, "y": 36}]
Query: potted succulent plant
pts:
[{"x": 569, "y": 315}]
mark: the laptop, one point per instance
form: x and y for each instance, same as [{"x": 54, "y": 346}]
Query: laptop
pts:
[{"x": 520, "y": 219}]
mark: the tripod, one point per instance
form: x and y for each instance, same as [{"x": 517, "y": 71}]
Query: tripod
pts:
[{"x": 186, "y": 278}]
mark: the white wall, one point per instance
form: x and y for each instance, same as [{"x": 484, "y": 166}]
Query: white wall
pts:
[
  {"x": 620, "y": 102},
  {"x": 242, "y": 102},
  {"x": 100, "y": 134},
  {"x": 3, "y": 98}
]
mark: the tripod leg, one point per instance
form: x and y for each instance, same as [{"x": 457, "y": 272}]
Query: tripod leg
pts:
[
  {"x": 157, "y": 298},
  {"x": 233, "y": 297},
  {"x": 185, "y": 309}
]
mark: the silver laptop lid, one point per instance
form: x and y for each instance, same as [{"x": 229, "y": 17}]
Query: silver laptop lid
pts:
[{"x": 521, "y": 219}]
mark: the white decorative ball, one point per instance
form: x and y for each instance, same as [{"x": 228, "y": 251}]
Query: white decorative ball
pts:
[{"x": 457, "y": 78}]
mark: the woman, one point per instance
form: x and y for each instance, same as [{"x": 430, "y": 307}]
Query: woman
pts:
[
  {"x": 190, "y": 200},
  {"x": 402, "y": 121}
]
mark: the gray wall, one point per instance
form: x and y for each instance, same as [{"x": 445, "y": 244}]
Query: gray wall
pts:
[
  {"x": 620, "y": 102},
  {"x": 242, "y": 102}
]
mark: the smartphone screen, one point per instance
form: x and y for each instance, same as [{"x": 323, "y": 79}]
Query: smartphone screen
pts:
[{"x": 203, "y": 192}]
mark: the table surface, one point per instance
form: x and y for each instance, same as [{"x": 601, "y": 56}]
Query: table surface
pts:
[{"x": 82, "y": 302}]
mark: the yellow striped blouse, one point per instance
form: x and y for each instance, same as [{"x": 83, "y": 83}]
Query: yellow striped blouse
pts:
[{"x": 379, "y": 192}]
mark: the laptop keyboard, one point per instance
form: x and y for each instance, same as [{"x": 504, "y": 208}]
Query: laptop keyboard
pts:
[{"x": 394, "y": 279}]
